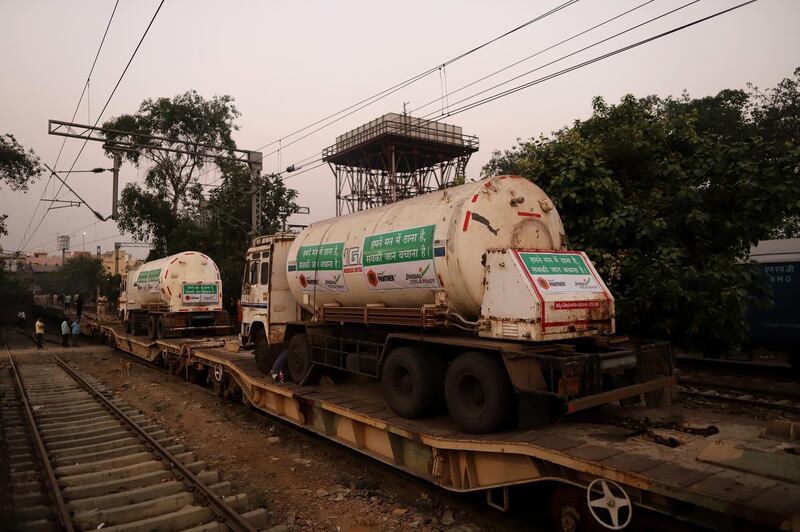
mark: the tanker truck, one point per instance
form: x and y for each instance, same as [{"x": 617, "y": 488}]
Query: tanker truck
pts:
[
  {"x": 464, "y": 300},
  {"x": 173, "y": 296}
]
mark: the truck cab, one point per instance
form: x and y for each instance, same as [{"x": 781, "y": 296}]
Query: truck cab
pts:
[{"x": 266, "y": 306}]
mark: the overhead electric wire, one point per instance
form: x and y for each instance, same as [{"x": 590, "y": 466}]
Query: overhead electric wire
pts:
[
  {"x": 46, "y": 243},
  {"x": 350, "y": 110},
  {"x": 584, "y": 63},
  {"x": 100, "y": 115},
  {"x": 595, "y": 60},
  {"x": 74, "y": 114},
  {"x": 566, "y": 56},
  {"x": 487, "y": 76},
  {"x": 423, "y": 74}
]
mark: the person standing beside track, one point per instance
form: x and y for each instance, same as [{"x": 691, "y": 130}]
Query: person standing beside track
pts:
[
  {"x": 65, "y": 333},
  {"x": 76, "y": 331},
  {"x": 78, "y": 300},
  {"x": 39, "y": 333},
  {"x": 102, "y": 307}
]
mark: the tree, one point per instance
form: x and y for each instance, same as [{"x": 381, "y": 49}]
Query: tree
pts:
[
  {"x": 776, "y": 115},
  {"x": 18, "y": 169},
  {"x": 667, "y": 201},
  {"x": 171, "y": 180}
]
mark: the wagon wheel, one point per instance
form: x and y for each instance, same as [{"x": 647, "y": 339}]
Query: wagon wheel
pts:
[
  {"x": 609, "y": 504},
  {"x": 216, "y": 378}
]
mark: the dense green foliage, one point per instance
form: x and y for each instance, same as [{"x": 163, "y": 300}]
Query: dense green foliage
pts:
[
  {"x": 170, "y": 209},
  {"x": 18, "y": 169},
  {"x": 188, "y": 118},
  {"x": 667, "y": 196}
]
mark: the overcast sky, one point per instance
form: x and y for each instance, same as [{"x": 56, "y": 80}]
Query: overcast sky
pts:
[{"x": 289, "y": 64}]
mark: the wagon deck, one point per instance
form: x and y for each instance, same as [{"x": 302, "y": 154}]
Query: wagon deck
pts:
[{"x": 716, "y": 470}]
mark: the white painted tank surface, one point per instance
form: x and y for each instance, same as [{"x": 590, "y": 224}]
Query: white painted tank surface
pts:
[
  {"x": 401, "y": 254},
  {"x": 189, "y": 280}
]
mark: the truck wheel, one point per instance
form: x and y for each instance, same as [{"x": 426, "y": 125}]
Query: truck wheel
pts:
[
  {"x": 300, "y": 366},
  {"x": 161, "y": 327},
  {"x": 479, "y": 393},
  {"x": 151, "y": 327},
  {"x": 262, "y": 352},
  {"x": 412, "y": 382}
]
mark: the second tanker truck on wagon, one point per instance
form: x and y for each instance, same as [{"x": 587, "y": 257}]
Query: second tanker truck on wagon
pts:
[
  {"x": 173, "y": 296},
  {"x": 464, "y": 299}
]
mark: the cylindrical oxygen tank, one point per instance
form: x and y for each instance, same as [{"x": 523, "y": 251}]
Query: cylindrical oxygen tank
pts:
[
  {"x": 402, "y": 254},
  {"x": 188, "y": 280}
]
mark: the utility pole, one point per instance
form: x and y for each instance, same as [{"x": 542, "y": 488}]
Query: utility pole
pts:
[
  {"x": 115, "y": 187},
  {"x": 254, "y": 161},
  {"x": 117, "y": 245}
]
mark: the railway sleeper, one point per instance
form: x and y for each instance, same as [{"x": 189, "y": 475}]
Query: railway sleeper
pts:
[
  {"x": 30, "y": 498},
  {"x": 60, "y": 436},
  {"x": 40, "y": 525},
  {"x": 186, "y": 517},
  {"x": 153, "y": 430},
  {"x": 98, "y": 423},
  {"x": 105, "y": 465},
  {"x": 33, "y": 513},
  {"x": 121, "y": 473},
  {"x": 133, "y": 496},
  {"x": 68, "y": 421},
  {"x": 107, "y": 445},
  {"x": 90, "y": 458},
  {"x": 90, "y": 520},
  {"x": 101, "y": 488}
]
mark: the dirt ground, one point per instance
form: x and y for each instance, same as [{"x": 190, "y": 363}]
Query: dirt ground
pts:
[{"x": 305, "y": 482}]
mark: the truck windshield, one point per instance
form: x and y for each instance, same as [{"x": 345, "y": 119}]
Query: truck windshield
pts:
[
  {"x": 254, "y": 272},
  {"x": 265, "y": 273}
]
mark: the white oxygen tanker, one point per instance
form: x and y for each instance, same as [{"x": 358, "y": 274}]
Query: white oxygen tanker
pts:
[
  {"x": 466, "y": 295},
  {"x": 174, "y": 295}
]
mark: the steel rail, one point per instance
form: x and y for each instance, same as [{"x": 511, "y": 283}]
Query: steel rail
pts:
[
  {"x": 742, "y": 387},
  {"x": 767, "y": 405},
  {"x": 217, "y": 505},
  {"x": 62, "y": 512}
]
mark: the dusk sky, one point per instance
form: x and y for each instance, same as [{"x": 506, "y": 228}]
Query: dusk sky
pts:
[{"x": 291, "y": 63}]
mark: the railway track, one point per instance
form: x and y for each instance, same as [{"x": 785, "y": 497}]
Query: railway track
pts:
[
  {"x": 81, "y": 459},
  {"x": 745, "y": 395}
]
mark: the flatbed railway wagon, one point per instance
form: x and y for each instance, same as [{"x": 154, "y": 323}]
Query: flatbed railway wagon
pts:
[
  {"x": 174, "y": 296},
  {"x": 466, "y": 299},
  {"x": 622, "y": 468}
]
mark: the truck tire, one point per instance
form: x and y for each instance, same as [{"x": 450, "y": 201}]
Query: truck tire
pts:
[
  {"x": 161, "y": 327},
  {"x": 412, "y": 382},
  {"x": 262, "y": 352},
  {"x": 301, "y": 368},
  {"x": 151, "y": 327},
  {"x": 479, "y": 393}
]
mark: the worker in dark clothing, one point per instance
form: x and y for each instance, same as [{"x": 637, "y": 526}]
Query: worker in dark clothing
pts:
[{"x": 78, "y": 300}]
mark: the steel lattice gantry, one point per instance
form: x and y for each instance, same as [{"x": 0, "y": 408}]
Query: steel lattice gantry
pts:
[{"x": 396, "y": 157}]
